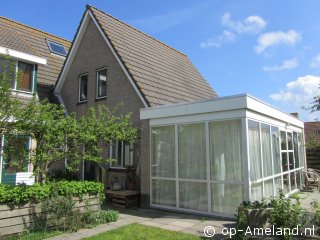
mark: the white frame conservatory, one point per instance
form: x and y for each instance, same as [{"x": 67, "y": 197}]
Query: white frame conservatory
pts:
[{"x": 208, "y": 156}]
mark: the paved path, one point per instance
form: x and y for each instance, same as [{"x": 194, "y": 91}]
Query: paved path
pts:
[{"x": 166, "y": 220}]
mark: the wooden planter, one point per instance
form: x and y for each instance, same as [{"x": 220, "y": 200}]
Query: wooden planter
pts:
[{"x": 19, "y": 218}]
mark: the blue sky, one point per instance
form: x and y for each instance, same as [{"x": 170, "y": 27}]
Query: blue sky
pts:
[{"x": 269, "y": 49}]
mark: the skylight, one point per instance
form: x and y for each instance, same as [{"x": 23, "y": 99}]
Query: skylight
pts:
[{"x": 57, "y": 48}]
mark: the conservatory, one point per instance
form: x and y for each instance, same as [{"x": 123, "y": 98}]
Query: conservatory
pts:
[{"x": 209, "y": 156}]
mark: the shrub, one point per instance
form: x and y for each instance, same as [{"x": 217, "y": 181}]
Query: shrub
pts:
[
  {"x": 21, "y": 194},
  {"x": 316, "y": 217},
  {"x": 107, "y": 216}
]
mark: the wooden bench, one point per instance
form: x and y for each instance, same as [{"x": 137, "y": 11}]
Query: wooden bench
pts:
[{"x": 124, "y": 198}]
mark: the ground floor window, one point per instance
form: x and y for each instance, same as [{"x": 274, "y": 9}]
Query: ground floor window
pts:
[{"x": 122, "y": 153}]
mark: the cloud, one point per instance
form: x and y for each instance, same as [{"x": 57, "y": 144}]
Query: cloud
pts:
[
  {"x": 226, "y": 36},
  {"x": 287, "y": 64},
  {"x": 275, "y": 38},
  {"x": 299, "y": 92},
  {"x": 252, "y": 24},
  {"x": 315, "y": 63}
]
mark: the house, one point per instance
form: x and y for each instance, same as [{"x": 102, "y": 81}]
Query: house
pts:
[
  {"x": 195, "y": 152},
  {"x": 39, "y": 56},
  {"x": 312, "y": 136}
]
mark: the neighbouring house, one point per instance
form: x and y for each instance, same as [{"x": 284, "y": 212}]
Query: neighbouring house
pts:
[
  {"x": 195, "y": 152},
  {"x": 39, "y": 57},
  {"x": 312, "y": 137}
]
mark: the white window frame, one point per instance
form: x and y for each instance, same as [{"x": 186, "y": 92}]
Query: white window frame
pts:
[
  {"x": 16, "y": 78},
  {"x": 97, "y": 82},
  {"x": 79, "y": 87},
  {"x": 122, "y": 165}
]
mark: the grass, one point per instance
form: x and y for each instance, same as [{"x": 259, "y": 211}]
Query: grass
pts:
[
  {"x": 33, "y": 235},
  {"x": 140, "y": 232}
]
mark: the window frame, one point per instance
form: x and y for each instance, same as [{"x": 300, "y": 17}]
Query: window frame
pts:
[
  {"x": 54, "y": 52},
  {"x": 97, "y": 82},
  {"x": 33, "y": 82},
  {"x": 79, "y": 88},
  {"x": 122, "y": 165}
]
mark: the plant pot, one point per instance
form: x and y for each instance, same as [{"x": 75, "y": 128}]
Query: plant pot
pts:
[{"x": 116, "y": 186}]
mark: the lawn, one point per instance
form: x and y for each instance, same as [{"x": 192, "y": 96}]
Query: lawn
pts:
[
  {"x": 33, "y": 235},
  {"x": 141, "y": 232}
]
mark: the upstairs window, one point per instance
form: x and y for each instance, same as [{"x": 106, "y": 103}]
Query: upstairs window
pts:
[
  {"x": 101, "y": 83},
  {"x": 57, "y": 48},
  {"x": 83, "y": 88},
  {"x": 25, "y": 77}
]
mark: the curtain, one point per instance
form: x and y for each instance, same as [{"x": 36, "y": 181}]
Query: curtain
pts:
[
  {"x": 268, "y": 188},
  {"x": 276, "y": 150},
  {"x": 193, "y": 195},
  {"x": 163, "y": 151},
  {"x": 277, "y": 185},
  {"x": 164, "y": 192},
  {"x": 254, "y": 150},
  {"x": 225, "y": 150},
  {"x": 256, "y": 192},
  {"x": 192, "y": 151},
  {"x": 225, "y": 198},
  {"x": 301, "y": 157},
  {"x": 266, "y": 150}
]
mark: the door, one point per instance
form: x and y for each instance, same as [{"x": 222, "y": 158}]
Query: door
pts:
[{"x": 15, "y": 157}]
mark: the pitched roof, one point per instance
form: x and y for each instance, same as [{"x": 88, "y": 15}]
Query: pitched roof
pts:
[
  {"x": 163, "y": 74},
  {"x": 23, "y": 38}
]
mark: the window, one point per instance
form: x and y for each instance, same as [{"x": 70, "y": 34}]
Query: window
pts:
[
  {"x": 57, "y": 48},
  {"x": 123, "y": 153},
  {"x": 25, "y": 77},
  {"x": 101, "y": 83},
  {"x": 83, "y": 88}
]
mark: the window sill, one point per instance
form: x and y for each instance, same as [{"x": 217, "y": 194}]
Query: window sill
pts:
[
  {"x": 100, "y": 98},
  {"x": 82, "y": 102},
  {"x": 117, "y": 169}
]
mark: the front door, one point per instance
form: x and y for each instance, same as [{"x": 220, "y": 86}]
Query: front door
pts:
[{"x": 15, "y": 157}]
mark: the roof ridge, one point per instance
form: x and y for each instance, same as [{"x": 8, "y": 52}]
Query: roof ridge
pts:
[
  {"x": 25, "y": 25},
  {"x": 89, "y": 6}
]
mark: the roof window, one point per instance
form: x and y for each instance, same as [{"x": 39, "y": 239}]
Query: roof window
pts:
[{"x": 57, "y": 48}]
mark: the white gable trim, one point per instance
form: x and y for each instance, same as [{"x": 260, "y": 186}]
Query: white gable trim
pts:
[
  {"x": 75, "y": 48},
  {"x": 23, "y": 56}
]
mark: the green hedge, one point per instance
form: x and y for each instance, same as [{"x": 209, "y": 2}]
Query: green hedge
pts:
[{"x": 21, "y": 194}]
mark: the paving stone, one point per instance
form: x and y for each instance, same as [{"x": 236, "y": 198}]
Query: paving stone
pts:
[
  {"x": 182, "y": 224},
  {"x": 152, "y": 224},
  {"x": 172, "y": 228}
]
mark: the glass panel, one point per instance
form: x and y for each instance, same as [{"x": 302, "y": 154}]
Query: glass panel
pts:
[
  {"x": 192, "y": 151},
  {"x": 293, "y": 181},
  {"x": 25, "y": 74},
  {"x": 298, "y": 179},
  {"x": 193, "y": 195},
  {"x": 296, "y": 150},
  {"x": 291, "y": 161},
  {"x": 254, "y": 150},
  {"x": 102, "y": 83},
  {"x": 83, "y": 88},
  {"x": 266, "y": 150},
  {"x": 286, "y": 186},
  {"x": 57, "y": 48},
  {"x": 283, "y": 140},
  {"x": 284, "y": 162},
  {"x": 256, "y": 192},
  {"x": 290, "y": 143},
  {"x": 268, "y": 189},
  {"x": 116, "y": 154},
  {"x": 16, "y": 154},
  {"x": 277, "y": 185},
  {"x": 276, "y": 150},
  {"x": 163, "y": 151},
  {"x": 164, "y": 192},
  {"x": 8, "y": 67},
  {"x": 225, "y": 150},
  {"x": 301, "y": 153},
  {"x": 225, "y": 198}
]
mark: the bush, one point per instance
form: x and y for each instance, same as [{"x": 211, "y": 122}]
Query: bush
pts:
[
  {"x": 316, "y": 217},
  {"x": 107, "y": 216},
  {"x": 22, "y": 194}
]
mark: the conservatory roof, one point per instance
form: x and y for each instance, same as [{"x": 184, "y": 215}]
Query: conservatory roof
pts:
[{"x": 221, "y": 104}]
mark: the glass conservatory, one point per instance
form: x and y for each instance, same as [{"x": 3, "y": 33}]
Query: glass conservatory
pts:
[{"x": 209, "y": 156}]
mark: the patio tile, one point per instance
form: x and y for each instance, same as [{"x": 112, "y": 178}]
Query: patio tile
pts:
[
  {"x": 172, "y": 228},
  {"x": 152, "y": 224},
  {"x": 182, "y": 224},
  {"x": 163, "y": 220}
]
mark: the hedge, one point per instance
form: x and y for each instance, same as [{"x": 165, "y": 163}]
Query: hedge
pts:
[{"x": 22, "y": 194}]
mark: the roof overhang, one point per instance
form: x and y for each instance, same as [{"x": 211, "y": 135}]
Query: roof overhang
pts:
[
  {"x": 23, "y": 56},
  {"x": 219, "y": 105}
]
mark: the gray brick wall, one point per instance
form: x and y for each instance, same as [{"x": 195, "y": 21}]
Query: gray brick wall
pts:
[{"x": 93, "y": 53}]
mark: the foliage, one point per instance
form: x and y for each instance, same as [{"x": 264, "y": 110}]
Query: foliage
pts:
[
  {"x": 138, "y": 232},
  {"x": 107, "y": 216},
  {"x": 316, "y": 217},
  {"x": 22, "y": 194},
  {"x": 242, "y": 222},
  {"x": 38, "y": 235},
  {"x": 285, "y": 214}
]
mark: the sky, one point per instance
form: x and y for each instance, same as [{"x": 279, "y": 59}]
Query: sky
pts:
[{"x": 269, "y": 49}]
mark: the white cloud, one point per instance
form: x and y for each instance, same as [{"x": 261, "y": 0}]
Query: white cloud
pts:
[
  {"x": 299, "y": 92},
  {"x": 226, "y": 36},
  {"x": 315, "y": 63},
  {"x": 252, "y": 24},
  {"x": 287, "y": 64},
  {"x": 275, "y": 38}
]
